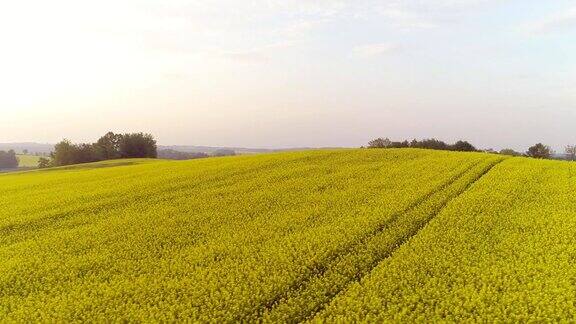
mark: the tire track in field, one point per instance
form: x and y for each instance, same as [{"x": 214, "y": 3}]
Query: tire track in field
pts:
[
  {"x": 305, "y": 297},
  {"x": 319, "y": 270},
  {"x": 403, "y": 239}
]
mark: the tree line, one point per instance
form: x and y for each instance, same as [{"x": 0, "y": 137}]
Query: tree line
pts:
[
  {"x": 537, "y": 151},
  {"x": 8, "y": 160},
  {"x": 430, "y": 143},
  {"x": 108, "y": 147},
  {"x": 541, "y": 151},
  {"x": 170, "y": 154}
]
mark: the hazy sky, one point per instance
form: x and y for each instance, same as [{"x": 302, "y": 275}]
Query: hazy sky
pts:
[{"x": 280, "y": 73}]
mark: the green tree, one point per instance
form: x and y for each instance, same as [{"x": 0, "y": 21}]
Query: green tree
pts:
[
  {"x": 463, "y": 146},
  {"x": 510, "y": 152},
  {"x": 430, "y": 143},
  {"x": 138, "y": 145},
  {"x": 403, "y": 144},
  {"x": 85, "y": 153},
  {"x": 539, "y": 151},
  {"x": 8, "y": 160},
  {"x": 224, "y": 152},
  {"x": 63, "y": 153},
  {"x": 44, "y": 163},
  {"x": 66, "y": 153},
  {"x": 108, "y": 146}
]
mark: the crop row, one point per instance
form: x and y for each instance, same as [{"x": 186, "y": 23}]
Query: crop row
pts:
[
  {"x": 302, "y": 303},
  {"x": 502, "y": 252}
]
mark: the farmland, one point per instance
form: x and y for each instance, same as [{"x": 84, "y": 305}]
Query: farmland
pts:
[
  {"x": 27, "y": 161},
  {"x": 503, "y": 251},
  {"x": 335, "y": 235}
]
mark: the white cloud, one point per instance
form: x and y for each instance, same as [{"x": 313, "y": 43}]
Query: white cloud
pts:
[
  {"x": 561, "y": 21},
  {"x": 425, "y": 14},
  {"x": 261, "y": 23},
  {"x": 256, "y": 54},
  {"x": 245, "y": 31},
  {"x": 406, "y": 19},
  {"x": 377, "y": 49}
]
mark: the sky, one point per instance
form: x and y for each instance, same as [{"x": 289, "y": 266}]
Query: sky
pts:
[{"x": 286, "y": 73}]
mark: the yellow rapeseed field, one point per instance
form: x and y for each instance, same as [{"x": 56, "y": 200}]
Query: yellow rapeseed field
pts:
[
  {"x": 401, "y": 234},
  {"x": 504, "y": 251}
]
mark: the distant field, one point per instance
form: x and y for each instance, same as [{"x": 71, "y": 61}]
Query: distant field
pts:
[
  {"x": 339, "y": 235},
  {"x": 28, "y": 161}
]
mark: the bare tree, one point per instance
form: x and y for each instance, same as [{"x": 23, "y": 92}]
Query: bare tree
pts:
[
  {"x": 44, "y": 163},
  {"x": 539, "y": 151},
  {"x": 379, "y": 143},
  {"x": 571, "y": 152}
]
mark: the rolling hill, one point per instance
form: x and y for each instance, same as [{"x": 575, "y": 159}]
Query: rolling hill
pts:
[
  {"x": 40, "y": 148},
  {"x": 328, "y": 235}
]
